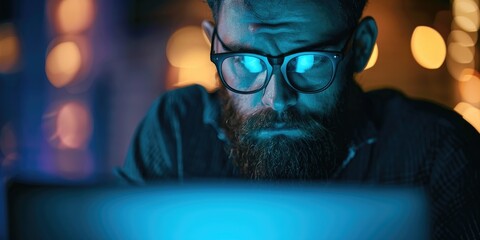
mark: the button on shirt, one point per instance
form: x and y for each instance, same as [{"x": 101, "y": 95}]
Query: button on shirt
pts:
[{"x": 400, "y": 142}]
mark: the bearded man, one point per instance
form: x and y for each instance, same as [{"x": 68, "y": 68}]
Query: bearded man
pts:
[{"x": 289, "y": 109}]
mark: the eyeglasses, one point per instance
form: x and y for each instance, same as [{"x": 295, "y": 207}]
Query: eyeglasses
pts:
[{"x": 247, "y": 73}]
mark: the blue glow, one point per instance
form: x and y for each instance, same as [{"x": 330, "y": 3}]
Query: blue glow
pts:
[
  {"x": 229, "y": 212},
  {"x": 253, "y": 64},
  {"x": 304, "y": 63}
]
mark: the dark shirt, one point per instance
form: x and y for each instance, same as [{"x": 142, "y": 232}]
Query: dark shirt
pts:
[{"x": 401, "y": 142}]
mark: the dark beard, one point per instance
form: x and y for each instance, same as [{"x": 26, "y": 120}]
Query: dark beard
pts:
[{"x": 314, "y": 156}]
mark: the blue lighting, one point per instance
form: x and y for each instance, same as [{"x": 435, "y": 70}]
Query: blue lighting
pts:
[
  {"x": 253, "y": 64},
  {"x": 304, "y": 63},
  {"x": 225, "y": 212}
]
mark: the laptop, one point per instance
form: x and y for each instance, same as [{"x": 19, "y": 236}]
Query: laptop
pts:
[{"x": 206, "y": 210}]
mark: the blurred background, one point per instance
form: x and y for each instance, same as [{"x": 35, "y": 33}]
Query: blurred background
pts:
[{"x": 77, "y": 76}]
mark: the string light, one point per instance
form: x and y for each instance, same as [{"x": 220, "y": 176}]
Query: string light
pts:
[{"x": 462, "y": 40}]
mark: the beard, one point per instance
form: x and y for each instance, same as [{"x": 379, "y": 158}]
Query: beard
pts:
[{"x": 314, "y": 155}]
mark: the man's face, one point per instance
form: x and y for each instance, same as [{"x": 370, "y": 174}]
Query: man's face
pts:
[
  {"x": 278, "y": 27},
  {"x": 279, "y": 132}
]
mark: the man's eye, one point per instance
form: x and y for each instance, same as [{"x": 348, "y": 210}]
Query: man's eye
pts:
[
  {"x": 252, "y": 64},
  {"x": 304, "y": 63}
]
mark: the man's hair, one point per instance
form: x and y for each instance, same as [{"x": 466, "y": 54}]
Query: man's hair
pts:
[{"x": 352, "y": 9}]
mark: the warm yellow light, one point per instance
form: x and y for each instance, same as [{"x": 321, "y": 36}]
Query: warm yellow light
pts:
[
  {"x": 463, "y": 38},
  {"x": 469, "y": 113},
  {"x": 74, "y": 16},
  {"x": 467, "y": 74},
  {"x": 459, "y": 71},
  {"x": 459, "y": 53},
  {"x": 466, "y": 14},
  {"x": 63, "y": 63},
  {"x": 466, "y": 24},
  {"x": 373, "y": 57},
  {"x": 188, "y": 50},
  {"x": 9, "y": 48},
  {"x": 470, "y": 89},
  {"x": 204, "y": 76},
  {"x": 73, "y": 126},
  {"x": 428, "y": 47}
]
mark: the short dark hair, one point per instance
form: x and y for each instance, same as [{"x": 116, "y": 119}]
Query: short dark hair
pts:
[{"x": 353, "y": 9}]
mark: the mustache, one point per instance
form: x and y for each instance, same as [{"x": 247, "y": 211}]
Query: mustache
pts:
[{"x": 291, "y": 118}]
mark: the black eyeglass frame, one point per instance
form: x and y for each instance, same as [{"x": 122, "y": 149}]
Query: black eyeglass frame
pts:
[{"x": 217, "y": 58}]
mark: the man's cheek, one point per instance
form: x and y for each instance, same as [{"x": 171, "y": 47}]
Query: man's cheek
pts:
[{"x": 248, "y": 103}]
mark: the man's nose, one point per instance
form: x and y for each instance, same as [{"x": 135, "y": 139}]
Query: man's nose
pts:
[{"x": 278, "y": 94}]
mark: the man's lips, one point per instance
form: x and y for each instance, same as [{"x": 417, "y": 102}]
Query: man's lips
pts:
[{"x": 288, "y": 132}]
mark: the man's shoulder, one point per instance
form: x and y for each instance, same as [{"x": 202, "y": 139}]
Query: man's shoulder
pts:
[
  {"x": 193, "y": 99},
  {"x": 193, "y": 94},
  {"x": 418, "y": 123},
  {"x": 419, "y": 129},
  {"x": 388, "y": 105}
]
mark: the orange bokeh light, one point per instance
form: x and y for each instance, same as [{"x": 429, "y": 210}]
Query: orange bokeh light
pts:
[
  {"x": 373, "y": 57},
  {"x": 74, "y": 16},
  {"x": 73, "y": 125},
  {"x": 188, "y": 50},
  {"x": 428, "y": 47},
  {"x": 63, "y": 63},
  {"x": 470, "y": 89},
  {"x": 9, "y": 48},
  {"x": 470, "y": 113}
]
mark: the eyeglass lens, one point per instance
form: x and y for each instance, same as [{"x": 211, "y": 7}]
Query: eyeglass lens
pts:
[{"x": 307, "y": 72}]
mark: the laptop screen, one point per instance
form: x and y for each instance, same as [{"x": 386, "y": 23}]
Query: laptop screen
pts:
[{"x": 216, "y": 211}]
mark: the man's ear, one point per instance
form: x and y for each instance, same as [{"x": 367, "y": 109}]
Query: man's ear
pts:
[
  {"x": 363, "y": 42},
  {"x": 208, "y": 27}
]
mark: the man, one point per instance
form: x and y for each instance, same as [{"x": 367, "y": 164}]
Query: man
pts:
[{"x": 289, "y": 108}]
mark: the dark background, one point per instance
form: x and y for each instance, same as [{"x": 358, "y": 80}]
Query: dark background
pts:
[{"x": 127, "y": 52}]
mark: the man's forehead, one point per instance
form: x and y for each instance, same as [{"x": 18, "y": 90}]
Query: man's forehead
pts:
[
  {"x": 280, "y": 26},
  {"x": 307, "y": 19}
]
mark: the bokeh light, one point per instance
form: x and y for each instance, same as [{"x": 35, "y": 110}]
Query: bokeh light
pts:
[
  {"x": 188, "y": 51},
  {"x": 186, "y": 48},
  {"x": 373, "y": 57},
  {"x": 63, "y": 63},
  {"x": 470, "y": 89},
  {"x": 74, "y": 16},
  {"x": 8, "y": 145},
  {"x": 73, "y": 125},
  {"x": 428, "y": 47},
  {"x": 469, "y": 113},
  {"x": 463, "y": 38},
  {"x": 9, "y": 48},
  {"x": 467, "y": 74},
  {"x": 206, "y": 77},
  {"x": 466, "y": 15},
  {"x": 459, "y": 53},
  {"x": 459, "y": 71}
]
